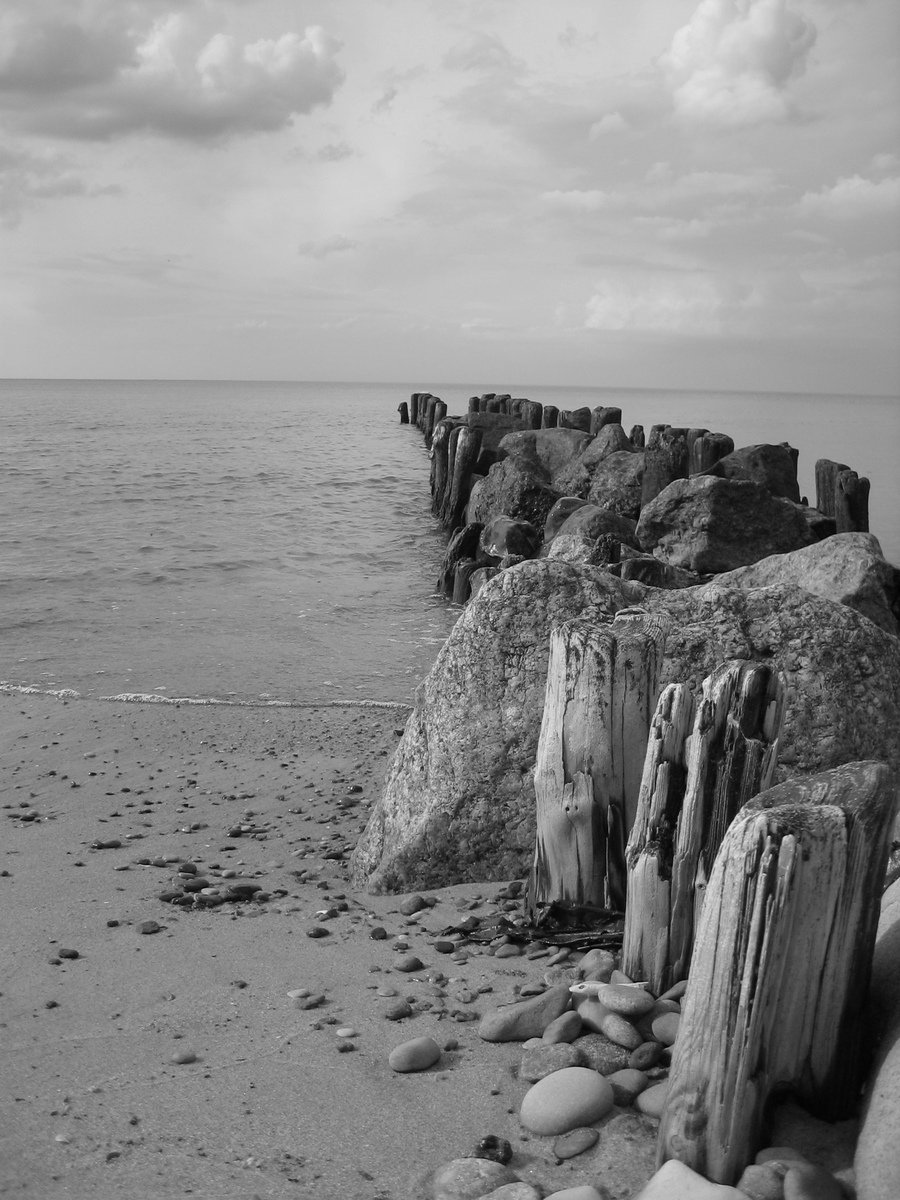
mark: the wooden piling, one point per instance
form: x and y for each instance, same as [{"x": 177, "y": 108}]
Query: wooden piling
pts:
[
  {"x": 707, "y": 449},
  {"x": 550, "y": 417},
  {"x": 403, "y": 410},
  {"x": 601, "y": 689},
  {"x": 636, "y": 437},
  {"x": 704, "y": 761},
  {"x": 467, "y": 447},
  {"x": 781, "y": 966},
  {"x": 851, "y": 503},
  {"x": 463, "y": 544},
  {"x": 604, "y": 415},
  {"x": 414, "y": 408},
  {"x": 575, "y": 418},
  {"x": 665, "y": 460},
  {"x": 440, "y": 440}
]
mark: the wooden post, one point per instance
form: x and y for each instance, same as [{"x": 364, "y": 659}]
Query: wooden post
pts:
[
  {"x": 827, "y": 473},
  {"x": 403, "y": 410},
  {"x": 636, "y": 437},
  {"x": 531, "y": 414},
  {"x": 665, "y": 459},
  {"x": 851, "y": 503},
  {"x": 601, "y": 688},
  {"x": 707, "y": 449},
  {"x": 550, "y": 417},
  {"x": 464, "y": 544},
  {"x": 604, "y": 415},
  {"x": 468, "y": 446},
  {"x": 575, "y": 418},
  {"x": 474, "y": 401},
  {"x": 781, "y": 966},
  {"x": 464, "y": 569},
  {"x": 440, "y": 444},
  {"x": 704, "y": 762},
  {"x": 414, "y": 408}
]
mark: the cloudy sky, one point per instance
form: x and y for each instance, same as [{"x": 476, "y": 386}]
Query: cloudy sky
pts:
[{"x": 668, "y": 193}]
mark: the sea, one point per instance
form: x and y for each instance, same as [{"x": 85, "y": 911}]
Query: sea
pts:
[{"x": 272, "y": 542}]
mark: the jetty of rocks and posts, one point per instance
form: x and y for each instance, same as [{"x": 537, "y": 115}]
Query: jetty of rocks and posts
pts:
[{"x": 656, "y": 806}]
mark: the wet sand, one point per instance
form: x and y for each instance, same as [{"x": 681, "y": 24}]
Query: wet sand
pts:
[{"x": 275, "y": 1104}]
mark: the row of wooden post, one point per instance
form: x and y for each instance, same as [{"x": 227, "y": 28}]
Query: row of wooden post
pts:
[{"x": 764, "y": 898}]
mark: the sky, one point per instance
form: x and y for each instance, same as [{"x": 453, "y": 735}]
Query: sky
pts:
[{"x": 611, "y": 193}]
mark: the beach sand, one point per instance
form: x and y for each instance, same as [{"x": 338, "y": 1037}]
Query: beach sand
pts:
[{"x": 92, "y": 1104}]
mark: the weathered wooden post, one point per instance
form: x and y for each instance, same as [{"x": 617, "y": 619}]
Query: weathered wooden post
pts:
[
  {"x": 601, "y": 689},
  {"x": 781, "y": 966},
  {"x": 467, "y": 447},
  {"x": 464, "y": 571},
  {"x": 463, "y": 544},
  {"x": 403, "y": 410},
  {"x": 604, "y": 415},
  {"x": 473, "y": 404},
  {"x": 707, "y": 449},
  {"x": 550, "y": 417},
  {"x": 440, "y": 444},
  {"x": 705, "y": 760},
  {"x": 531, "y": 414},
  {"x": 827, "y": 472},
  {"x": 636, "y": 437},
  {"x": 665, "y": 459},
  {"x": 414, "y": 408},
  {"x": 851, "y": 503},
  {"x": 575, "y": 418}
]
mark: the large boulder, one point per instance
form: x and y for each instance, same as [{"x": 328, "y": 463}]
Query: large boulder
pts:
[
  {"x": 616, "y": 483},
  {"x": 591, "y": 522},
  {"x": 506, "y": 535},
  {"x": 512, "y": 491},
  {"x": 544, "y": 452},
  {"x": 707, "y": 525},
  {"x": 458, "y": 803},
  {"x": 775, "y": 467},
  {"x": 574, "y": 478},
  {"x": 848, "y": 567}
]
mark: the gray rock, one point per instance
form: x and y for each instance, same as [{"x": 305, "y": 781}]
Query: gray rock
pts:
[
  {"x": 512, "y": 491},
  {"x": 576, "y": 477},
  {"x": 540, "y": 1061},
  {"x": 524, "y": 1019},
  {"x": 760, "y": 1182},
  {"x": 469, "y": 1179},
  {"x": 458, "y": 802},
  {"x": 505, "y": 535},
  {"x": 559, "y": 513},
  {"x": 602, "y": 1055},
  {"x": 848, "y": 568},
  {"x": 774, "y": 467},
  {"x": 617, "y": 483},
  {"x": 544, "y": 453},
  {"x": 707, "y": 525},
  {"x": 591, "y": 522}
]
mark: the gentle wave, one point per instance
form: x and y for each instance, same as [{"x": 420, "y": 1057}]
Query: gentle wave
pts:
[{"x": 24, "y": 689}]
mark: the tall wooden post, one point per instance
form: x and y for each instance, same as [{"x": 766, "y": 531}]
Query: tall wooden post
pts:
[
  {"x": 851, "y": 503},
  {"x": 440, "y": 443},
  {"x": 637, "y": 437},
  {"x": 604, "y": 415},
  {"x": 601, "y": 689},
  {"x": 550, "y": 417},
  {"x": 414, "y": 408},
  {"x": 704, "y": 762},
  {"x": 781, "y": 966},
  {"x": 665, "y": 460},
  {"x": 403, "y": 410},
  {"x": 827, "y": 472},
  {"x": 707, "y": 449},
  {"x": 468, "y": 446}
]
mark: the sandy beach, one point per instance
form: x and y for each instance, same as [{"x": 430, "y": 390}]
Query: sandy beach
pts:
[{"x": 275, "y": 1102}]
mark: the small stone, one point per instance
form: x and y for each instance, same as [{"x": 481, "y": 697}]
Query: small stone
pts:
[
  {"x": 647, "y": 1055},
  {"x": 620, "y": 1031},
  {"x": 408, "y": 963},
  {"x": 316, "y": 931},
  {"x": 575, "y": 1142},
  {"x": 676, "y": 991},
  {"x": 508, "y": 950},
  {"x": 665, "y": 1028},
  {"x": 565, "y": 1100},
  {"x": 64, "y": 952},
  {"x": 565, "y": 1028},
  {"x": 761, "y": 1183},
  {"x": 627, "y": 1085},
  {"x": 149, "y": 927},
  {"x": 630, "y": 1002},
  {"x": 675, "y": 1181},
  {"x": 527, "y": 1018},
  {"x": 514, "y": 1191},
  {"x": 397, "y": 1011},
  {"x": 378, "y": 933},
  {"x": 602, "y": 1054},
  {"x": 561, "y": 976},
  {"x": 596, "y": 965},
  {"x": 782, "y": 1155},
  {"x": 543, "y": 1060},
  {"x": 497, "y": 1149},
  {"x": 346, "y": 1031},
  {"x": 469, "y": 1179},
  {"x": 315, "y": 1000},
  {"x": 184, "y": 1056},
  {"x": 444, "y": 946},
  {"x": 807, "y": 1181},
  {"x": 412, "y": 905},
  {"x": 652, "y": 1101},
  {"x": 416, "y": 1055}
]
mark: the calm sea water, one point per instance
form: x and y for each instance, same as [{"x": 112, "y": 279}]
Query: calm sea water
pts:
[{"x": 273, "y": 541}]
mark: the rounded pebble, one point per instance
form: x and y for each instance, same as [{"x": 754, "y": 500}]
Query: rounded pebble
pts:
[
  {"x": 184, "y": 1056},
  {"x": 627, "y": 1085},
  {"x": 514, "y": 1191},
  {"x": 497, "y": 1149},
  {"x": 806, "y": 1181},
  {"x": 565, "y": 1028},
  {"x": 630, "y": 1002},
  {"x": 582, "y": 1191},
  {"x": 665, "y": 1028},
  {"x": 575, "y": 1142},
  {"x": 346, "y": 1031},
  {"x": 620, "y": 1031},
  {"x": 652, "y": 1101},
  {"x": 469, "y": 1179},
  {"x": 542, "y": 1060},
  {"x": 647, "y": 1055},
  {"x": 761, "y": 1183},
  {"x": 397, "y": 1010},
  {"x": 416, "y": 1055},
  {"x": 565, "y": 1100},
  {"x": 408, "y": 963}
]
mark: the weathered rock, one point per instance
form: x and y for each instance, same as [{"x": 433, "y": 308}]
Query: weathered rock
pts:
[
  {"x": 504, "y": 535},
  {"x": 627, "y": 1085},
  {"x": 524, "y": 1019},
  {"x": 705, "y": 524},
  {"x": 581, "y": 1191},
  {"x": 540, "y": 1061},
  {"x": 565, "y": 1028},
  {"x": 760, "y": 1182},
  {"x": 458, "y": 803},
  {"x": 469, "y": 1179},
  {"x": 575, "y": 477},
  {"x": 544, "y": 452},
  {"x": 509, "y": 490},
  {"x": 566, "y": 1100},
  {"x": 586, "y": 551},
  {"x": 602, "y": 1055},
  {"x": 644, "y": 568},
  {"x": 774, "y": 467},
  {"x": 575, "y": 1142},
  {"x": 630, "y": 1002},
  {"x": 848, "y": 568},
  {"x": 652, "y": 1101},
  {"x": 559, "y": 514},
  {"x": 416, "y": 1055},
  {"x": 591, "y": 522}
]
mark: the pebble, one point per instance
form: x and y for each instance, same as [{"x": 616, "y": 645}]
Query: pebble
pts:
[
  {"x": 311, "y": 1001},
  {"x": 575, "y": 1142},
  {"x": 416, "y": 1055},
  {"x": 65, "y": 952},
  {"x": 565, "y": 1100},
  {"x": 378, "y": 933},
  {"x": 676, "y": 991},
  {"x": 508, "y": 950},
  {"x": 597, "y": 965},
  {"x": 806, "y": 1181},
  {"x": 761, "y": 1183},
  {"x": 543, "y": 1060},
  {"x": 665, "y": 1028},
  {"x": 147, "y": 927},
  {"x": 630, "y": 1002},
  {"x": 412, "y": 905},
  {"x": 675, "y": 1181},
  {"x": 627, "y": 1085},
  {"x": 346, "y": 1031},
  {"x": 620, "y": 1031},
  {"x": 564, "y": 1028},
  {"x": 602, "y": 1055},
  {"x": 316, "y": 931},
  {"x": 647, "y": 1055},
  {"x": 525, "y": 1019},
  {"x": 408, "y": 963},
  {"x": 497, "y": 1149},
  {"x": 514, "y": 1191},
  {"x": 652, "y": 1101},
  {"x": 469, "y": 1179},
  {"x": 184, "y": 1056},
  {"x": 397, "y": 1010}
]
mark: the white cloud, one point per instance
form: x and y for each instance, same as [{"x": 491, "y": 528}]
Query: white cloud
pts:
[
  {"x": 612, "y": 122},
  {"x": 732, "y": 63},
  {"x": 688, "y": 303},
  {"x": 26, "y": 176},
  {"x": 175, "y": 77},
  {"x": 854, "y": 199},
  {"x": 330, "y": 245},
  {"x": 575, "y": 200}
]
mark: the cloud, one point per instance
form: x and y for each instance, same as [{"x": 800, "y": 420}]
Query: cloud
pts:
[
  {"x": 334, "y": 152},
  {"x": 385, "y": 100},
  {"x": 854, "y": 199},
  {"x": 478, "y": 52},
  {"x": 577, "y": 201},
  {"x": 26, "y": 176},
  {"x": 174, "y": 76},
  {"x": 732, "y": 63},
  {"x": 612, "y": 122},
  {"x": 326, "y": 246},
  {"x": 689, "y": 303}
]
